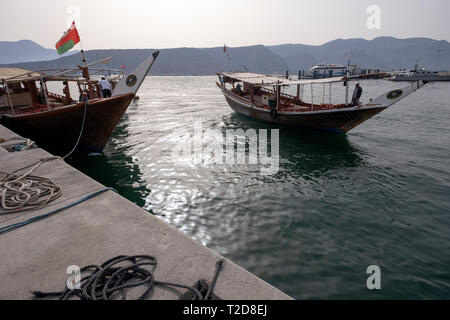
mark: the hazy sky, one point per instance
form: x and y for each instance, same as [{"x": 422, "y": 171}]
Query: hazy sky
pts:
[{"x": 107, "y": 24}]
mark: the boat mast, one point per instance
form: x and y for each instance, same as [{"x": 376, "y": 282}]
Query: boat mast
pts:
[
  {"x": 346, "y": 77},
  {"x": 85, "y": 70},
  {"x": 437, "y": 60},
  {"x": 225, "y": 50},
  {"x": 83, "y": 56},
  {"x": 86, "y": 75},
  {"x": 278, "y": 97},
  {"x": 416, "y": 67}
]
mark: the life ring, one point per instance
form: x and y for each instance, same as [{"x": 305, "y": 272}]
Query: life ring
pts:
[{"x": 273, "y": 113}]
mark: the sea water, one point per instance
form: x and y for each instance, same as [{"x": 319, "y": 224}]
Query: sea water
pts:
[{"x": 379, "y": 195}]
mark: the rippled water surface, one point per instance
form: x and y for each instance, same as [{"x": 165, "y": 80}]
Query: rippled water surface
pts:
[{"x": 379, "y": 195}]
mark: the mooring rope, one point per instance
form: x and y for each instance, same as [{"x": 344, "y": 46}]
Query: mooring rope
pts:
[
  {"x": 114, "y": 277},
  {"x": 81, "y": 130},
  {"x": 25, "y": 144}
]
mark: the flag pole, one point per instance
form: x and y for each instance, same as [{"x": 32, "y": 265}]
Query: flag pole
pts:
[
  {"x": 82, "y": 53},
  {"x": 83, "y": 56},
  {"x": 86, "y": 71}
]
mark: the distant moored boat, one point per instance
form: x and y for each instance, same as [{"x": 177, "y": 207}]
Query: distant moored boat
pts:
[{"x": 262, "y": 98}]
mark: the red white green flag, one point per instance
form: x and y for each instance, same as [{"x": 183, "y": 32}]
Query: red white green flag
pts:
[{"x": 68, "y": 40}]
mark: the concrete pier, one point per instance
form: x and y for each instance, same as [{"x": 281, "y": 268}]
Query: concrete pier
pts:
[{"x": 36, "y": 256}]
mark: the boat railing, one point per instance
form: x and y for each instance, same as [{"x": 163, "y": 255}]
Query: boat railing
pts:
[
  {"x": 271, "y": 92},
  {"x": 265, "y": 90},
  {"x": 56, "y": 96},
  {"x": 291, "y": 102},
  {"x": 236, "y": 96},
  {"x": 288, "y": 102}
]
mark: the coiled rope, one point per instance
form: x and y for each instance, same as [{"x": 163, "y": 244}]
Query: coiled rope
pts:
[
  {"x": 26, "y": 192},
  {"x": 114, "y": 277},
  {"x": 20, "y": 193}
]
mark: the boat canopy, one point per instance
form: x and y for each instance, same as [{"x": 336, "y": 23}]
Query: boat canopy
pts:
[
  {"x": 16, "y": 75},
  {"x": 11, "y": 75},
  {"x": 269, "y": 80}
]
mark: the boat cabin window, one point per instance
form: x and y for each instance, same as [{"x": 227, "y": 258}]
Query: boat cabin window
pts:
[
  {"x": 16, "y": 87},
  {"x": 240, "y": 88}
]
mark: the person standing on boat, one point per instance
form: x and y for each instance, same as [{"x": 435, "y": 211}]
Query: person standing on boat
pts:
[
  {"x": 357, "y": 94},
  {"x": 239, "y": 89},
  {"x": 106, "y": 88}
]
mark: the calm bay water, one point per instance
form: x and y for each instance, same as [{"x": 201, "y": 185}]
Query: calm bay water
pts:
[{"x": 379, "y": 195}]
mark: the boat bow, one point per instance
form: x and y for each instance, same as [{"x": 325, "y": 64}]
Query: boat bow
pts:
[
  {"x": 132, "y": 82},
  {"x": 395, "y": 96}
]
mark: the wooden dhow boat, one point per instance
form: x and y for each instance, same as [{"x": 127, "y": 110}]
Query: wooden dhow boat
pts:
[
  {"x": 260, "y": 97},
  {"x": 29, "y": 108}
]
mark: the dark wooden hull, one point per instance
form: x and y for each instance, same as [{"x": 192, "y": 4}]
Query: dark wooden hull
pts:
[
  {"x": 61, "y": 126},
  {"x": 336, "y": 120}
]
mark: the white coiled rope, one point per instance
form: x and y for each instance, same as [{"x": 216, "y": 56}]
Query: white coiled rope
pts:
[{"x": 25, "y": 192}]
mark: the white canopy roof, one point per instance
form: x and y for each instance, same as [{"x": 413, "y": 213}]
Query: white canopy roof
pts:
[
  {"x": 18, "y": 74},
  {"x": 269, "y": 80}
]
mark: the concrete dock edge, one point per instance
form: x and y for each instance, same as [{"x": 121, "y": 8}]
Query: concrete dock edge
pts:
[{"x": 36, "y": 256}]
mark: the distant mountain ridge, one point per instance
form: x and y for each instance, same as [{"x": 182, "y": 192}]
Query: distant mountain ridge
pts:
[
  {"x": 24, "y": 51},
  {"x": 385, "y": 53},
  {"x": 180, "y": 61}
]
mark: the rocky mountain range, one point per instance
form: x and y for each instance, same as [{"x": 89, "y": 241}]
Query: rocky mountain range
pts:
[{"x": 385, "y": 53}]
